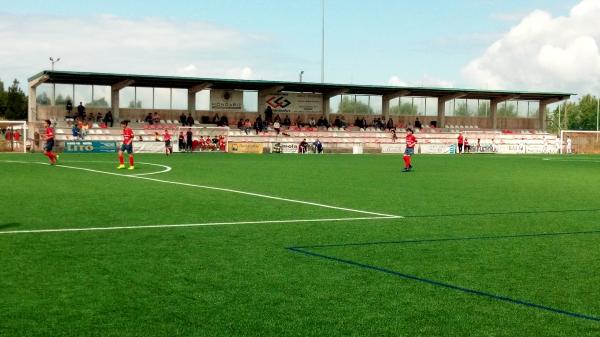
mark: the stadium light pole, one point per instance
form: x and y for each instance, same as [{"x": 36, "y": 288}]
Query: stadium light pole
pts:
[
  {"x": 52, "y": 62},
  {"x": 301, "y": 74},
  {"x": 322, "y": 41}
]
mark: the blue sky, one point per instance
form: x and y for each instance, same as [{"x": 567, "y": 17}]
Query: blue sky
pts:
[{"x": 417, "y": 42}]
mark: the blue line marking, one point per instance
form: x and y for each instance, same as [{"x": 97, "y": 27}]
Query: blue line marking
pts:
[{"x": 303, "y": 250}]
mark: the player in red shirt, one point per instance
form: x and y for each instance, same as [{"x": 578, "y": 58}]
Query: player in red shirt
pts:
[
  {"x": 49, "y": 135},
  {"x": 460, "y": 143},
  {"x": 167, "y": 139},
  {"x": 126, "y": 146},
  {"x": 411, "y": 141}
]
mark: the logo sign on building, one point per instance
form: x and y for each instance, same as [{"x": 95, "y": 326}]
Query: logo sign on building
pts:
[
  {"x": 293, "y": 103},
  {"x": 284, "y": 148},
  {"x": 91, "y": 147},
  {"x": 226, "y": 100}
]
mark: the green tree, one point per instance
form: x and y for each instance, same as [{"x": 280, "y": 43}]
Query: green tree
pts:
[
  {"x": 348, "y": 105},
  {"x": 462, "y": 110},
  {"x": 60, "y": 100},
  {"x": 101, "y": 103},
  {"x": 507, "y": 110},
  {"x": 2, "y": 99},
  {"x": 483, "y": 109},
  {"x": 404, "y": 109},
  {"x": 135, "y": 104},
  {"x": 43, "y": 99},
  {"x": 16, "y": 103}
]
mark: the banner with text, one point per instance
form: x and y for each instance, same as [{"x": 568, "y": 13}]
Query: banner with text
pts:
[
  {"x": 226, "y": 100},
  {"x": 91, "y": 147},
  {"x": 246, "y": 147},
  {"x": 293, "y": 103}
]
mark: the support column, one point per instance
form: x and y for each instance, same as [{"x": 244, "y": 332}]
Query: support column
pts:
[
  {"x": 441, "y": 122},
  {"x": 494, "y": 108},
  {"x": 542, "y": 116},
  {"x": 115, "y": 99},
  {"x": 326, "y": 97},
  {"x": 385, "y": 102},
  {"x": 32, "y": 99},
  {"x": 191, "y": 106}
]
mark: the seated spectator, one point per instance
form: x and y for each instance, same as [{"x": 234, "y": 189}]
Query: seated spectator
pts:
[
  {"x": 394, "y": 136},
  {"x": 156, "y": 118},
  {"x": 303, "y": 146},
  {"x": 318, "y": 146},
  {"x": 357, "y": 122},
  {"x": 99, "y": 117},
  {"x": 312, "y": 122},
  {"x": 258, "y": 125},
  {"x": 240, "y": 124},
  {"x": 103, "y": 125},
  {"x": 418, "y": 124},
  {"x": 277, "y": 127},
  {"x": 390, "y": 124},
  {"x": 247, "y": 126},
  {"x": 108, "y": 118},
  {"x": 216, "y": 119},
  {"x": 75, "y": 131},
  {"x": 156, "y": 137},
  {"x": 343, "y": 123},
  {"x": 286, "y": 121},
  {"x": 337, "y": 122},
  {"x": 298, "y": 121},
  {"x": 182, "y": 119},
  {"x": 277, "y": 119},
  {"x": 363, "y": 123},
  {"x": 190, "y": 120},
  {"x": 149, "y": 120},
  {"x": 224, "y": 121}
]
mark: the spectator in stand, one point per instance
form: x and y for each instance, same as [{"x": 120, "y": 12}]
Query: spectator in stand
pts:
[
  {"x": 190, "y": 120},
  {"x": 216, "y": 119},
  {"x": 277, "y": 119},
  {"x": 269, "y": 114},
  {"x": 394, "y": 136},
  {"x": 460, "y": 141},
  {"x": 189, "y": 140},
  {"x": 418, "y": 124},
  {"x": 343, "y": 123},
  {"x": 149, "y": 120},
  {"x": 303, "y": 147},
  {"x": 81, "y": 110},
  {"x": 337, "y": 122},
  {"x": 240, "y": 124},
  {"x": 247, "y": 125},
  {"x": 69, "y": 109},
  {"x": 318, "y": 146},
  {"x": 277, "y": 127},
  {"x": 224, "y": 121},
  {"x": 363, "y": 123},
  {"x": 298, "y": 121},
  {"x": 258, "y": 124},
  {"x": 99, "y": 117},
  {"x": 181, "y": 140},
  {"x": 357, "y": 122},
  {"x": 156, "y": 118},
  {"x": 312, "y": 122},
  {"x": 286, "y": 121},
  {"x": 467, "y": 146},
  {"x": 390, "y": 124},
  {"x": 108, "y": 118},
  {"x": 182, "y": 119}
]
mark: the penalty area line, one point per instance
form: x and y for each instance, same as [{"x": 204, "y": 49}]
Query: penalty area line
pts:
[{"x": 93, "y": 229}]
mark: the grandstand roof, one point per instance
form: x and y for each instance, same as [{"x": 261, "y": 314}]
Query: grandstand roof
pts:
[{"x": 91, "y": 78}]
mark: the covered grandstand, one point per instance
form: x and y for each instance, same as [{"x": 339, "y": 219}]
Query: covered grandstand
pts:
[{"x": 492, "y": 116}]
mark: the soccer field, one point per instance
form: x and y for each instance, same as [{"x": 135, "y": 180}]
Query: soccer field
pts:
[{"x": 291, "y": 245}]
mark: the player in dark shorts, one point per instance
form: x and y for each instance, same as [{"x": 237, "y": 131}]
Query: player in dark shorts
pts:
[
  {"x": 49, "y": 135},
  {"x": 411, "y": 141},
  {"x": 126, "y": 146},
  {"x": 167, "y": 139},
  {"x": 189, "y": 140}
]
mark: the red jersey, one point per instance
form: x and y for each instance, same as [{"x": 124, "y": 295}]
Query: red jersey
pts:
[
  {"x": 411, "y": 141},
  {"x": 49, "y": 133},
  {"x": 127, "y": 136},
  {"x": 460, "y": 139},
  {"x": 17, "y": 136},
  {"x": 167, "y": 136}
]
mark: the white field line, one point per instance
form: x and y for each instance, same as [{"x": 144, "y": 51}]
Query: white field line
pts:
[
  {"x": 223, "y": 190},
  {"x": 573, "y": 160},
  {"x": 165, "y": 167},
  {"x": 93, "y": 229}
]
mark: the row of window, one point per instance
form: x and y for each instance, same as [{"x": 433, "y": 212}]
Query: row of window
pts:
[{"x": 166, "y": 98}]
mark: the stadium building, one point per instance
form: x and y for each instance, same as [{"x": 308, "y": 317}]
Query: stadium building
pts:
[{"x": 504, "y": 121}]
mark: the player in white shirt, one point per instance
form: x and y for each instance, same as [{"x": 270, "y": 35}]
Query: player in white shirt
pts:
[
  {"x": 569, "y": 145},
  {"x": 558, "y": 144}
]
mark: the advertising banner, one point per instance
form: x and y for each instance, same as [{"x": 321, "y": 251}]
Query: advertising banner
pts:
[
  {"x": 437, "y": 148},
  {"x": 293, "y": 103},
  {"x": 91, "y": 147},
  {"x": 284, "y": 148},
  {"x": 246, "y": 147},
  {"x": 148, "y": 147},
  {"x": 392, "y": 148},
  {"x": 226, "y": 100}
]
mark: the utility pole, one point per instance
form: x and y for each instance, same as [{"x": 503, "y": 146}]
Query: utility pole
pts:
[
  {"x": 52, "y": 62},
  {"x": 322, "y": 41}
]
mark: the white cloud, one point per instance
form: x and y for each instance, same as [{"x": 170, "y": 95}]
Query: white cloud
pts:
[
  {"x": 107, "y": 43},
  {"x": 395, "y": 80},
  {"x": 543, "y": 52}
]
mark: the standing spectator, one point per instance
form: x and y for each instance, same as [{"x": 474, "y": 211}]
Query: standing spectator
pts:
[
  {"x": 460, "y": 142},
  {"x": 269, "y": 114},
  {"x": 467, "y": 147},
  {"x": 277, "y": 127},
  {"x": 108, "y": 118},
  {"x": 363, "y": 123},
  {"x": 181, "y": 140},
  {"x": 69, "y": 109},
  {"x": 258, "y": 124},
  {"x": 569, "y": 145},
  {"x": 286, "y": 121},
  {"x": 190, "y": 120},
  {"x": 418, "y": 124},
  {"x": 182, "y": 119},
  {"x": 81, "y": 110},
  {"x": 189, "y": 140}
]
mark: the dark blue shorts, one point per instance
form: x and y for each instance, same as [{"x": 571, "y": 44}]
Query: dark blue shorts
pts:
[
  {"x": 409, "y": 151},
  {"x": 49, "y": 145},
  {"x": 127, "y": 148}
]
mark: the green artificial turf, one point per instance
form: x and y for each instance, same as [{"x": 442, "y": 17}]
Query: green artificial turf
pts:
[{"x": 243, "y": 280}]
